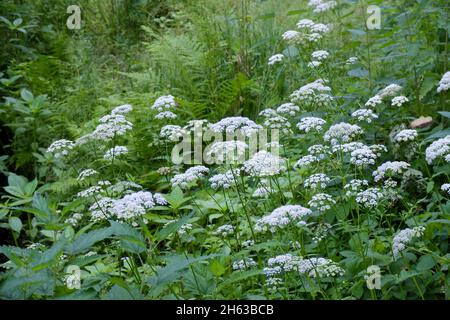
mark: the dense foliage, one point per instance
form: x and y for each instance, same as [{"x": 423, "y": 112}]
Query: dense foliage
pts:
[{"x": 357, "y": 187}]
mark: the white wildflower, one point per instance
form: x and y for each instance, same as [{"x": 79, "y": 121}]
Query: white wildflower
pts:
[
  {"x": 184, "y": 180},
  {"x": 283, "y": 216},
  {"x": 321, "y": 202},
  {"x": 264, "y": 164},
  {"x": 311, "y": 123},
  {"x": 115, "y": 152},
  {"x": 275, "y": 58}
]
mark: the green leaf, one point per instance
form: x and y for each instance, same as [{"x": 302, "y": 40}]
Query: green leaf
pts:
[
  {"x": 172, "y": 227},
  {"x": 15, "y": 224},
  {"x": 291, "y": 52},
  {"x": 425, "y": 263},
  {"x": 445, "y": 114},
  {"x": 26, "y": 95},
  {"x": 86, "y": 240},
  {"x": 130, "y": 238}
]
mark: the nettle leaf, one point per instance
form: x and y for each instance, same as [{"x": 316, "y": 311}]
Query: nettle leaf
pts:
[
  {"x": 172, "y": 227},
  {"x": 86, "y": 240},
  {"x": 175, "y": 266},
  {"x": 119, "y": 292},
  {"x": 445, "y": 114},
  {"x": 176, "y": 198},
  {"x": 15, "y": 224},
  {"x": 358, "y": 73},
  {"x": 130, "y": 238},
  {"x": 238, "y": 277},
  {"x": 425, "y": 263},
  {"x": 291, "y": 52}
]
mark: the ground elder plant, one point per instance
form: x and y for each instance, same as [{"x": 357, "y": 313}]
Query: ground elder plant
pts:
[{"x": 319, "y": 151}]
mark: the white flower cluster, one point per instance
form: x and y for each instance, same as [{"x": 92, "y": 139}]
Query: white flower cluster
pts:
[
  {"x": 74, "y": 219},
  {"x": 244, "y": 264},
  {"x": 311, "y": 31},
  {"x": 352, "y": 60},
  {"x": 172, "y": 132},
  {"x": 348, "y": 147},
  {"x": 164, "y": 103},
  {"x": 60, "y": 148},
  {"x": 354, "y": 186},
  {"x": 196, "y": 126},
  {"x": 374, "y": 101},
  {"x": 305, "y": 161},
  {"x": 311, "y": 123},
  {"x": 292, "y": 36},
  {"x": 123, "y": 109},
  {"x": 446, "y": 188},
  {"x": 390, "y": 90},
  {"x": 123, "y": 187},
  {"x": 184, "y": 229},
  {"x": 320, "y": 55},
  {"x": 278, "y": 122},
  {"x": 89, "y": 192},
  {"x": 275, "y": 58},
  {"x": 369, "y": 198},
  {"x": 233, "y": 124},
  {"x": 389, "y": 168},
  {"x": 312, "y": 267},
  {"x": 362, "y": 157},
  {"x": 86, "y": 173},
  {"x": 283, "y": 216},
  {"x": 268, "y": 113},
  {"x": 399, "y": 101},
  {"x": 115, "y": 152},
  {"x": 262, "y": 192},
  {"x": 184, "y": 180},
  {"x": 101, "y": 209},
  {"x": 366, "y": 115},
  {"x": 321, "y": 202},
  {"x": 317, "y": 181},
  {"x": 321, "y": 5},
  {"x": 444, "y": 83},
  {"x": 227, "y": 151},
  {"x": 225, "y": 230},
  {"x": 224, "y": 180},
  {"x": 406, "y": 135},
  {"x": 264, "y": 164},
  {"x": 404, "y": 237},
  {"x": 166, "y": 115},
  {"x": 314, "y": 64},
  {"x": 439, "y": 148},
  {"x": 319, "y": 150},
  {"x": 320, "y": 231},
  {"x": 342, "y": 132},
  {"x": 110, "y": 126},
  {"x": 314, "y": 92},
  {"x": 135, "y": 204},
  {"x": 288, "y": 109}
]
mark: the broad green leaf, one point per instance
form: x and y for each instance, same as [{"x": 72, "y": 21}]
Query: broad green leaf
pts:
[{"x": 15, "y": 224}]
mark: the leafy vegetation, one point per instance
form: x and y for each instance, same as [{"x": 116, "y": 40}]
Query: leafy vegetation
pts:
[{"x": 356, "y": 190}]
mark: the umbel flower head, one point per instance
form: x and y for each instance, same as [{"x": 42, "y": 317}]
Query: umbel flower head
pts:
[
  {"x": 232, "y": 125},
  {"x": 342, "y": 132},
  {"x": 264, "y": 164},
  {"x": 282, "y": 216},
  {"x": 315, "y": 92},
  {"x": 308, "y": 124},
  {"x": 438, "y": 149},
  {"x": 164, "y": 103},
  {"x": 444, "y": 83},
  {"x": 275, "y": 58},
  {"x": 227, "y": 151},
  {"x": 60, "y": 148},
  {"x": 390, "y": 168},
  {"x": 188, "y": 178},
  {"x": 404, "y": 237}
]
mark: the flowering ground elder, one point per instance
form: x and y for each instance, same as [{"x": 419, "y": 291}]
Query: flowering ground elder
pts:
[
  {"x": 283, "y": 216},
  {"x": 264, "y": 164}
]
